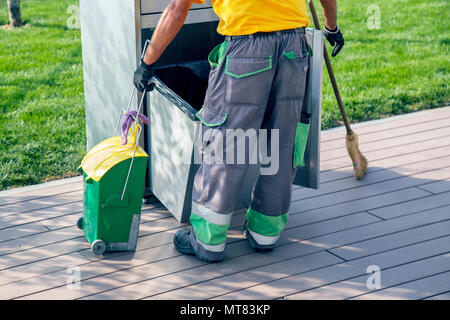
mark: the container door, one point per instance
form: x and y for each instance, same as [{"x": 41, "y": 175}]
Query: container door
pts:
[{"x": 309, "y": 175}]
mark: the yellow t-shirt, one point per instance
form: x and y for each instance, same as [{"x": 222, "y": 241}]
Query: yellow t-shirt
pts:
[{"x": 242, "y": 17}]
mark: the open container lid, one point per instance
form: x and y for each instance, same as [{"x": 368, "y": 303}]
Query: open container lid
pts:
[{"x": 106, "y": 155}]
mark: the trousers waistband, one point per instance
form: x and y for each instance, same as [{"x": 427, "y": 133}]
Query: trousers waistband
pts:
[{"x": 258, "y": 34}]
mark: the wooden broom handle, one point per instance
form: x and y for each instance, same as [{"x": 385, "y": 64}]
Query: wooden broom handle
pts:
[{"x": 330, "y": 70}]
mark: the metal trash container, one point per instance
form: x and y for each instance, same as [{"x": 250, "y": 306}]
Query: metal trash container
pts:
[
  {"x": 113, "y": 34},
  {"x": 122, "y": 27},
  {"x": 111, "y": 205}
]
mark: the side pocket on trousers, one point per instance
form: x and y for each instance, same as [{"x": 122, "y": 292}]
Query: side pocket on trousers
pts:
[
  {"x": 211, "y": 121},
  {"x": 301, "y": 138},
  {"x": 211, "y": 118},
  {"x": 217, "y": 54}
]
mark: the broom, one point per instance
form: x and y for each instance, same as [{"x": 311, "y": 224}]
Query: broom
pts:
[{"x": 360, "y": 163}]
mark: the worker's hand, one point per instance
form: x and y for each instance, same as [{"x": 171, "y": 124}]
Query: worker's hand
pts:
[
  {"x": 334, "y": 37},
  {"x": 142, "y": 76}
]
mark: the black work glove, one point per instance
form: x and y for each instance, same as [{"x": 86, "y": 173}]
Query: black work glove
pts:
[
  {"x": 142, "y": 76},
  {"x": 334, "y": 37}
]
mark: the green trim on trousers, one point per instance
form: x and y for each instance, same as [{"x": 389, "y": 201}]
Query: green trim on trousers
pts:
[
  {"x": 301, "y": 138},
  {"x": 266, "y": 225},
  {"x": 207, "y": 232}
]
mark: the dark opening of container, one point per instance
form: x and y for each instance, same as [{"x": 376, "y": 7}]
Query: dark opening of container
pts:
[{"x": 189, "y": 81}]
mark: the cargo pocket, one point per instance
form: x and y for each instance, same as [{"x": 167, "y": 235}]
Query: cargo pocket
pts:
[
  {"x": 301, "y": 138},
  {"x": 211, "y": 120},
  {"x": 217, "y": 54},
  {"x": 299, "y": 54},
  {"x": 292, "y": 73},
  {"x": 248, "y": 81}
]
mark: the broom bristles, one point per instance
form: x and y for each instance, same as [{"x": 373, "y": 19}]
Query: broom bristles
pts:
[{"x": 360, "y": 162}]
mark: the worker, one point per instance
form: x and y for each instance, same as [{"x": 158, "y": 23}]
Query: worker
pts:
[{"x": 257, "y": 81}]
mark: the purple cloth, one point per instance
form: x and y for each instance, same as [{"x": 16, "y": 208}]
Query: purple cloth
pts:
[{"x": 128, "y": 120}]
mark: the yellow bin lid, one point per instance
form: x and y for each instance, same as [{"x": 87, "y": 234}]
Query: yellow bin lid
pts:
[{"x": 106, "y": 155}]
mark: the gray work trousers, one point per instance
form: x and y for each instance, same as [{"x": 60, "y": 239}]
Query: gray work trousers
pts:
[{"x": 256, "y": 82}]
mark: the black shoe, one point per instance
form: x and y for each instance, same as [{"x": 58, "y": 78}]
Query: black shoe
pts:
[
  {"x": 253, "y": 244},
  {"x": 182, "y": 243}
]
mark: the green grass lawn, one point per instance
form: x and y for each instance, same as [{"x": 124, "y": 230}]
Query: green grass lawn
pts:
[
  {"x": 41, "y": 96},
  {"x": 399, "y": 68}
]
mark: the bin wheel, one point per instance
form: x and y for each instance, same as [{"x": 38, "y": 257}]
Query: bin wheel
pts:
[
  {"x": 80, "y": 223},
  {"x": 98, "y": 247}
]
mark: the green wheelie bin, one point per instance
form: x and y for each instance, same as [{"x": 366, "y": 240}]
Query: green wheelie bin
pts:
[{"x": 114, "y": 178}]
